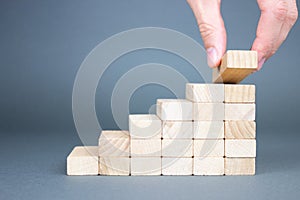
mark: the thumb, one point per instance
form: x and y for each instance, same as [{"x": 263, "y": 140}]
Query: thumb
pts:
[{"x": 212, "y": 29}]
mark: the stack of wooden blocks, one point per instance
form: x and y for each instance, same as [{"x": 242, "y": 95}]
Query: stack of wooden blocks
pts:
[{"x": 211, "y": 132}]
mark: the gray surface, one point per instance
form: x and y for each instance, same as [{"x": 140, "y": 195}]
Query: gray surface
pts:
[
  {"x": 33, "y": 167},
  {"x": 42, "y": 46}
]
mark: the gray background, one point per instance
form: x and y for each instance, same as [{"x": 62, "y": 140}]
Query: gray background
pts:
[{"x": 42, "y": 44}]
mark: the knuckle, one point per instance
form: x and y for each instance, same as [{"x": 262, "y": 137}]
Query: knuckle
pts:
[
  {"x": 293, "y": 15},
  {"x": 207, "y": 31},
  {"x": 280, "y": 10}
]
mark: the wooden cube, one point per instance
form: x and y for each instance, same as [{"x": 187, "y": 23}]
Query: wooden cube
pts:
[
  {"x": 239, "y": 166},
  {"x": 144, "y": 166},
  {"x": 83, "y": 161},
  {"x": 174, "y": 109},
  {"x": 238, "y": 112},
  {"x": 208, "y": 111},
  {"x": 208, "y": 148},
  {"x": 239, "y": 93},
  {"x": 177, "y": 166},
  {"x": 177, "y": 147},
  {"x": 178, "y": 129},
  {"x": 116, "y": 166},
  {"x": 209, "y": 166},
  {"x": 240, "y": 130},
  {"x": 235, "y": 66},
  {"x": 144, "y": 126},
  {"x": 145, "y": 147},
  {"x": 240, "y": 148},
  {"x": 208, "y": 129},
  {"x": 114, "y": 143},
  {"x": 205, "y": 93}
]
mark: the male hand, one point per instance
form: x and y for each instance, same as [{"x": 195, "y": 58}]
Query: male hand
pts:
[{"x": 276, "y": 20}]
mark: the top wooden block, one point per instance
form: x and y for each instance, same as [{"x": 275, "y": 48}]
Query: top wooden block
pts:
[
  {"x": 144, "y": 126},
  {"x": 205, "y": 93},
  {"x": 235, "y": 66}
]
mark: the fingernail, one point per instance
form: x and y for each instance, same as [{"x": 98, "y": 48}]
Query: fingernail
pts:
[
  {"x": 212, "y": 56},
  {"x": 261, "y": 63}
]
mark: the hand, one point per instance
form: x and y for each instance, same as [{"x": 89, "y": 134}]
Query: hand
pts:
[{"x": 276, "y": 20}]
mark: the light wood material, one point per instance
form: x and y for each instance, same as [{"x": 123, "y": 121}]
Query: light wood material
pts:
[
  {"x": 208, "y": 148},
  {"x": 178, "y": 129},
  {"x": 240, "y": 130},
  {"x": 239, "y": 93},
  {"x": 239, "y": 166},
  {"x": 240, "y": 148},
  {"x": 83, "y": 160},
  {"x": 114, "y": 143},
  {"x": 205, "y": 93},
  {"x": 235, "y": 66},
  {"x": 177, "y": 166},
  {"x": 177, "y": 147},
  {"x": 208, "y": 111},
  {"x": 145, "y": 147},
  {"x": 117, "y": 166},
  {"x": 209, "y": 166},
  {"x": 145, "y": 166},
  {"x": 174, "y": 109},
  {"x": 208, "y": 129},
  {"x": 144, "y": 126},
  {"x": 238, "y": 112}
]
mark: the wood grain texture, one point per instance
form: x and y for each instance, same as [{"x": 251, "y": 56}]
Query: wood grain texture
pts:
[
  {"x": 177, "y": 147},
  {"x": 235, "y": 66},
  {"x": 114, "y": 143},
  {"x": 177, "y": 129},
  {"x": 145, "y": 166},
  {"x": 208, "y": 166},
  {"x": 208, "y": 148},
  {"x": 239, "y": 93},
  {"x": 177, "y": 166},
  {"x": 208, "y": 111},
  {"x": 239, "y": 166},
  {"x": 205, "y": 93},
  {"x": 240, "y": 130},
  {"x": 174, "y": 109},
  {"x": 238, "y": 112},
  {"x": 145, "y": 126},
  {"x": 83, "y": 160},
  {"x": 208, "y": 129},
  {"x": 115, "y": 166},
  {"x": 240, "y": 148},
  {"x": 145, "y": 147}
]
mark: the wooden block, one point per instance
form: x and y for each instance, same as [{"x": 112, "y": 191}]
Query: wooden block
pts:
[
  {"x": 178, "y": 129},
  {"x": 205, "y": 93},
  {"x": 239, "y": 166},
  {"x": 144, "y": 126},
  {"x": 146, "y": 147},
  {"x": 208, "y": 111},
  {"x": 83, "y": 161},
  {"x": 239, "y": 93},
  {"x": 235, "y": 66},
  {"x": 240, "y": 130},
  {"x": 177, "y": 166},
  {"x": 174, "y": 109},
  {"x": 177, "y": 147},
  {"x": 117, "y": 166},
  {"x": 239, "y": 112},
  {"x": 209, "y": 148},
  {"x": 144, "y": 166},
  {"x": 208, "y": 129},
  {"x": 240, "y": 148},
  {"x": 114, "y": 143},
  {"x": 209, "y": 166}
]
